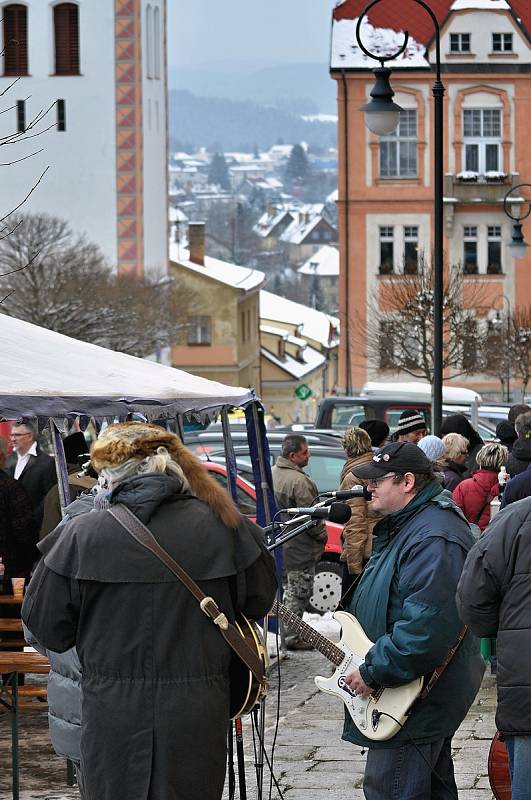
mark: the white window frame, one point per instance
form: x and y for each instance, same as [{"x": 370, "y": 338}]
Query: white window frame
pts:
[
  {"x": 459, "y": 41},
  {"x": 411, "y": 236},
  {"x": 482, "y": 142},
  {"x": 401, "y": 139},
  {"x": 470, "y": 234},
  {"x": 386, "y": 236},
  {"x": 494, "y": 234},
  {"x": 505, "y": 38}
]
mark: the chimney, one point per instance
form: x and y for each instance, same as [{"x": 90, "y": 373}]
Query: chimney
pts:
[{"x": 196, "y": 237}]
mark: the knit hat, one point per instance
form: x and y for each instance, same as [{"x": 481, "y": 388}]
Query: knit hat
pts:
[
  {"x": 410, "y": 420},
  {"x": 139, "y": 441},
  {"x": 506, "y": 433},
  {"x": 433, "y": 447},
  {"x": 377, "y": 429},
  {"x": 399, "y": 457}
]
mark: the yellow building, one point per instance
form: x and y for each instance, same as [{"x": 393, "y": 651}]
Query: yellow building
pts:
[{"x": 221, "y": 340}]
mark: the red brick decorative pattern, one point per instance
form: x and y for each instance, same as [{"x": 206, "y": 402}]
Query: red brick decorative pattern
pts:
[{"x": 129, "y": 140}]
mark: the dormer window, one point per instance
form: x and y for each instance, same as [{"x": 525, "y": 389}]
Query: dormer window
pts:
[
  {"x": 459, "y": 43},
  {"x": 502, "y": 43}
]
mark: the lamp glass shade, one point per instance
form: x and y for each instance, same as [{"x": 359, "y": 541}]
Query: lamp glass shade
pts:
[
  {"x": 382, "y": 122},
  {"x": 518, "y": 249}
]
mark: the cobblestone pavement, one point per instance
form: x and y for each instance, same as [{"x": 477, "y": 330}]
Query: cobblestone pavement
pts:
[{"x": 310, "y": 761}]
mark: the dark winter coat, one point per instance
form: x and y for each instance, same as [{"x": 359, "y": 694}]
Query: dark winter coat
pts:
[
  {"x": 458, "y": 423},
  {"x": 405, "y": 602},
  {"x": 517, "y": 488},
  {"x": 294, "y": 488},
  {"x": 520, "y": 457},
  {"x": 18, "y": 532},
  {"x": 493, "y": 598},
  {"x": 474, "y": 494},
  {"x": 37, "y": 478},
  {"x": 155, "y": 669},
  {"x": 453, "y": 475}
]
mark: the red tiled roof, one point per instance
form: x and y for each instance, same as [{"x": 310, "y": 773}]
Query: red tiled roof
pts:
[{"x": 408, "y": 15}]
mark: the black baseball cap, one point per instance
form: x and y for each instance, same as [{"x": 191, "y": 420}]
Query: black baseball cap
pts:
[{"x": 400, "y": 457}]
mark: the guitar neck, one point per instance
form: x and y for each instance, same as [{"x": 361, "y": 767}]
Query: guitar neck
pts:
[{"x": 309, "y": 634}]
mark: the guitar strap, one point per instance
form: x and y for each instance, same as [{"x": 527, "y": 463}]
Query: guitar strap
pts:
[
  {"x": 130, "y": 522},
  {"x": 438, "y": 671}
]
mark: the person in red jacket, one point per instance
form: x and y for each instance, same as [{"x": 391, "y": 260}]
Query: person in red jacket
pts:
[{"x": 474, "y": 494}]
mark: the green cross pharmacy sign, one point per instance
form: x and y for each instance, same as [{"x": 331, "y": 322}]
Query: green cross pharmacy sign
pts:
[{"x": 303, "y": 392}]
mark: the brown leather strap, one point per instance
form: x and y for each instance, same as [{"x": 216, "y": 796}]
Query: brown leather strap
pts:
[
  {"x": 130, "y": 522},
  {"x": 438, "y": 671}
]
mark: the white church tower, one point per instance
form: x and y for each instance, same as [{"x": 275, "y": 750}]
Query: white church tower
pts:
[{"x": 99, "y": 66}]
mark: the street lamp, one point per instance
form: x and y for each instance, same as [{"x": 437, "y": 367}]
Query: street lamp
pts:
[
  {"x": 498, "y": 325},
  {"x": 517, "y": 246},
  {"x": 379, "y": 113}
]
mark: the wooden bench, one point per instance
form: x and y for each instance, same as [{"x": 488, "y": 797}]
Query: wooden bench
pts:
[
  {"x": 10, "y": 626},
  {"x": 14, "y": 698}
]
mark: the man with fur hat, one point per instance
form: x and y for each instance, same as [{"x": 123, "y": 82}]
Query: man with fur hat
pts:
[{"x": 155, "y": 669}]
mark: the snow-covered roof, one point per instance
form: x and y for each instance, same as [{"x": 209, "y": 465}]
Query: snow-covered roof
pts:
[
  {"x": 487, "y": 5},
  {"x": 305, "y": 221},
  {"x": 269, "y": 220},
  {"x": 47, "y": 374},
  {"x": 324, "y": 262},
  {"x": 345, "y": 51},
  {"x": 242, "y": 278},
  {"x": 313, "y": 325},
  {"x": 312, "y": 359},
  {"x": 176, "y": 215},
  {"x": 333, "y": 196}
]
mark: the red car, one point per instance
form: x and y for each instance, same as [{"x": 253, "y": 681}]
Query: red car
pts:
[{"x": 327, "y": 583}]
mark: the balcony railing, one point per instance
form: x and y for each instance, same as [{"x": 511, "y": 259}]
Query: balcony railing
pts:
[{"x": 470, "y": 187}]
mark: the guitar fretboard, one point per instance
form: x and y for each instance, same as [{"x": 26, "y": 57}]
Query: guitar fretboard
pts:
[{"x": 309, "y": 634}]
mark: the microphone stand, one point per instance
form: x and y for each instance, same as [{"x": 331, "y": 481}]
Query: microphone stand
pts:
[{"x": 310, "y": 523}]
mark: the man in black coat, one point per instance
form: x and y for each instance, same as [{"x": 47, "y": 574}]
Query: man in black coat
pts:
[
  {"x": 520, "y": 457},
  {"x": 493, "y": 599},
  {"x": 34, "y": 469},
  {"x": 18, "y": 533}
]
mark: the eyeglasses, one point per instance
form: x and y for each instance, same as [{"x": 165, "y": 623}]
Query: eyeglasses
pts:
[{"x": 377, "y": 481}]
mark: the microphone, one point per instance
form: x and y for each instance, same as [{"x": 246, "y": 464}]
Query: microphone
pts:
[
  {"x": 348, "y": 494},
  {"x": 336, "y": 512}
]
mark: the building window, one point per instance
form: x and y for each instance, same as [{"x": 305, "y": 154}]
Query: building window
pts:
[
  {"x": 470, "y": 249},
  {"x": 494, "y": 263},
  {"x": 460, "y": 43},
  {"x": 149, "y": 42},
  {"x": 199, "y": 330},
  {"x": 61, "y": 115},
  {"x": 15, "y": 39},
  {"x": 411, "y": 249},
  {"x": 482, "y": 140},
  {"x": 398, "y": 151},
  {"x": 502, "y": 43},
  {"x": 66, "y": 33},
  {"x": 386, "y": 249},
  {"x": 156, "y": 42},
  {"x": 21, "y": 116}
]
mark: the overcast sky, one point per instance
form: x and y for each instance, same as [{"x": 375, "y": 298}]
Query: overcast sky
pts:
[{"x": 201, "y": 31}]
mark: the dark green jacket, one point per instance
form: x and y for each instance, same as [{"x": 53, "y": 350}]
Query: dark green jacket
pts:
[{"x": 405, "y": 603}]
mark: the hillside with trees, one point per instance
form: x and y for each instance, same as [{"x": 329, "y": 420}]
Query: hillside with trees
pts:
[{"x": 225, "y": 125}]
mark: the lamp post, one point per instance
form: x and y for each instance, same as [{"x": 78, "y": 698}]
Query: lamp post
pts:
[
  {"x": 498, "y": 325},
  {"x": 381, "y": 117},
  {"x": 517, "y": 246}
]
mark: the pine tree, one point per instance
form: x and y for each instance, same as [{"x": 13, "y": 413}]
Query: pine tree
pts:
[
  {"x": 297, "y": 166},
  {"x": 218, "y": 174}
]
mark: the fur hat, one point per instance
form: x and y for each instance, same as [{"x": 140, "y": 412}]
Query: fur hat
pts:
[
  {"x": 356, "y": 441},
  {"x": 410, "y": 420},
  {"x": 137, "y": 440}
]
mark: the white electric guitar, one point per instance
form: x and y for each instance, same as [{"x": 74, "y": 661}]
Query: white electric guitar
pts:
[{"x": 372, "y": 715}]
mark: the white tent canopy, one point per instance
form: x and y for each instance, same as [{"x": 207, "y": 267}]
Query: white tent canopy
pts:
[{"x": 46, "y": 374}]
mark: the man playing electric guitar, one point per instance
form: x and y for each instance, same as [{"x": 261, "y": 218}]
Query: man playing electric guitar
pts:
[{"x": 405, "y": 604}]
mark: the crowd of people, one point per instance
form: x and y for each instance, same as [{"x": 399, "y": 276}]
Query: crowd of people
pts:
[{"x": 423, "y": 559}]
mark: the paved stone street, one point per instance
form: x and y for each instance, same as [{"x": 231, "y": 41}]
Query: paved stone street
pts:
[{"x": 309, "y": 761}]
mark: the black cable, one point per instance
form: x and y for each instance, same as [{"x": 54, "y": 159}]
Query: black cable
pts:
[
  {"x": 277, "y": 719},
  {"x": 377, "y": 714},
  {"x": 262, "y": 745}
]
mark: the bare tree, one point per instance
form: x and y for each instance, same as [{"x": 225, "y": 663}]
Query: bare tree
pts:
[
  {"x": 68, "y": 287},
  {"x": 507, "y": 350},
  {"x": 399, "y": 327}
]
